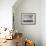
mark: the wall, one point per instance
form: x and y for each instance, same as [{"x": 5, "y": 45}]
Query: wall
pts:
[
  {"x": 43, "y": 22},
  {"x": 6, "y": 13},
  {"x": 29, "y": 31}
]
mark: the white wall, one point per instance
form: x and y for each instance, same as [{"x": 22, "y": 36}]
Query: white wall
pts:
[
  {"x": 30, "y": 31},
  {"x": 43, "y": 22},
  {"x": 6, "y": 13}
]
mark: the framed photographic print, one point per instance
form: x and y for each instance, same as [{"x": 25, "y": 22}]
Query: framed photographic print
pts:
[{"x": 28, "y": 18}]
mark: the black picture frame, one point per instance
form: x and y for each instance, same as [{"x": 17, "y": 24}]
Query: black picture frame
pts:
[{"x": 28, "y": 18}]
